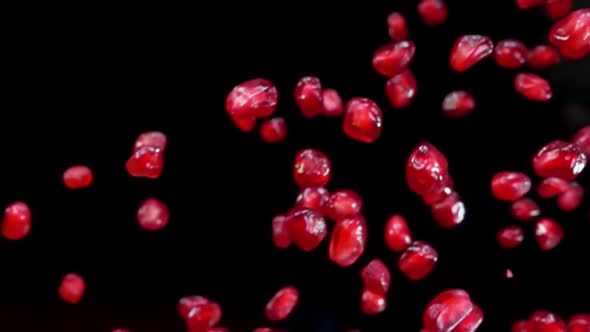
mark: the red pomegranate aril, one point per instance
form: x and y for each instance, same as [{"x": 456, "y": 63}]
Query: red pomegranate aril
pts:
[
  {"x": 401, "y": 89},
  {"x": 273, "y": 130},
  {"x": 397, "y": 233},
  {"x": 348, "y": 240},
  {"x": 147, "y": 161},
  {"x": 542, "y": 57},
  {"x": 312, "y": 168},
  {"x": 151, "y": 138},
  {"x": 582, "y": 139},
  {"x": 472, "y": 321},
  {"x": 510, "y": 186},
  {"x": 525, "y": 209},
  {"x": 458, "y": 104},
  {"x": 571, "y": 198},
  {"x": 533, "y": 87},
  {"x": 187, "y": 303},
  {"x": 252, "y": 99},
  {"x": 579, "y": 323},
  {"x": 343, "y": 204},
  {"x": 397, "y": 27},
  {"x": 153, "y": 214},
  {"x": 333, "y": 106},
  {"x": 469, "y": 50},
  {"x": 558, "y": 8},
  {"x": 437, "y": 196},
  {"x": 521, "y": 326},
  {"x": 307, "y": 228},
  {"x": 16, "y": 222},
  {"x": 282, "y": 304},
  {"x": 548, "y": 234},
  {"x": 203, "y": 316},
  {"x": 280, "y": 233},
  {"x": 313, "y": 198},
  {"x": 308, "y": 96},
  {"x": 433, "y": 12},
  {"x": 551, "y": 187},
  {"x": 72, "y": 288},
  {"x": 363, "y": 120},
  {"x": 418, "y": 260},
  {"x": 446, "y": 310},
  {"x": 244, "y": 124},
  {"x": 426, "y": 169},
  {"x": 545, "y": 321},
  {"x": 376, "y": 277},
  {"x": 392, "y": 59},
  {"x": 77, "y": 177},
  {"x": 449, "y": 212},
  {"x": 526, "y": 4},
  {"x": 510, "y": 237},
  {"x": 559, "y": 159},
  {"x": 571, "y": 34},
  {"x": 372, "y": 304},
  {"x": 510, "y": 53}
]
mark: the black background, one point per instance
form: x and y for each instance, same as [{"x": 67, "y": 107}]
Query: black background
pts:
[{"x": 83, "y": 82}]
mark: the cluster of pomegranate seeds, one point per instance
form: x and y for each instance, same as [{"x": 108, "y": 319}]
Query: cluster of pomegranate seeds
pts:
[
  {"x": 72, "y": 288},
  {"x": 273, "y": 130},
  {"x": 199, "y": 313},
  {"x": 458, "y": 104},
  {"x": 469, "y": 50},
  {"x": 16, "y": 222},
  {"x": 282, "y": 304},
  {"x": 570, "y": 35},
  {"x": 153, "y": 214},
  {"x": 147, "y": 158},
  {"x": 510, "y": 54},
  {"x": 452, "y": 310},
  {"x": 433, "y": 12},
  {"x": 397, "y": 27},
  {"x": 77, "y": 177}
]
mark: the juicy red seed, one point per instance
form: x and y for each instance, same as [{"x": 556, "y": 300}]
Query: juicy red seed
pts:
[
  {"x": 571, "y": 36},
  {"x": 558, "y": 8},
  {"x": 147, "y": 161},
  {"x": 418, "y": 260},
  {"x": 401, "y": 89},
  {"x": 153, "y": 215},
  {"x": 273, "y": 130},
  {"x": 447, "y": 310},
  {"x": 521, "y": 326},
  {"x": 582, "y": 139},
  {"x": 392, "y": 59},
  {"x": 203, "y": 316},
  {"x": 548, "y": 234},
  {"x": 397, "y": 234},
  {"x": 343, "y": 204},
  {"x": 533, "y": 87},
  {"x": 525, "y": 209},
  {"x": 469, "y": 50},
  {"x": 579, "y": 323},
  {"x": 372, "y": 304},
  {"x": 187, "y": 303},
  {"x": 542, "y": 57},
  {"x": 526, "y": 4},
  {"x": 251, "y": 99},
  {"x": 16, "y": 223},
  {"x": 510, "y": 186},
  {"x": 307, "y": 228},
  {"x": 571, "y": 198},
  {"x": 244, "y": 124},
  {"x": 376, "y": 277},
  {"x": 433, "y": 12},
  {"x": 348, "y": 241},
  {"x": 312, "y": 168},
  {"x": 333, "y": 106},
  {"x": 308, "y": 95},
  {"x": 397, "y": 27},
  {"x": 437, "y": 196},
  {"x": 281, "y": 304},
  {"x": 426, "y": 169},
  {"x": 510, "y": 53},
  {"x": 559, "y": 159},
  {"x": 363, "y": 120},
  {"x": 551, "y": 187},
  {"x": 313, "y": 198},
  {"x": 458, "y": 104},
  {"x": 72, "y": 288},
  {"x": 510, "y": 237},
  {"x": 280, "y": 234},
  {"x": 449, "y": 212},
  {"x": 545, "y": 321},
  {"x": 472, "y": 321},
  {"x": 151, "y": 138},
  {"x": 77, "y": 177}
]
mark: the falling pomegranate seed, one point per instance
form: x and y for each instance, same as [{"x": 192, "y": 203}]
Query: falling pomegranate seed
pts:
[
  {"x": 449, "y": 212},
  {"x": 510, "y": 237},
  {"x": 333, "y": 106},
  {"x": 458, "y": 104},
  {"x": 469, "y": 50},
  {"x": 548, "y": 234},
  {"x": 510, "y": 186},
  {"x": 426, "y": 169},
  {"x": 452, "y": 310},
  {"x": 510, "y": 53},
  {"x": 187, "y": 303},
  {"x": 348, "y": 241},
  {"x": 244, "y": 124},
  {"x": 392, "y": 59},
  {"x": 582, "y": 139},
  {"x": 147, "y": 161},
  {"x": 533, "y": 87},
  {"x": 72, "y": 288},
  {"x": 151, "y": 138},
  {"x": 372, "y": 304},
  {"x": 571, "y": 198},
  {"x": 559, "y": 159},
  {"x": 558, "y": 8},
  {"x": 397, "y": 233},
  {"x": 363, "y": 120},
  {"x": 343, "y": 204},
  {"x": 282, "y": 304},
  {"x": 509, "y": 274},
  {"x": 579, "y": 323},
  {"x": 418, "y": 260},
  {"x": 401, "y": 89},
  {"x": 312, "y": 168},
  {"x": 546, "y": 321},
  {"x": 307, "y": 228},
  {"x": 397, "y": 27},
  {"x": 433, "y": 12},
  {"x": 542, "y": 57},
  {"x": 313, "y": 198},
  {"x": 153, "y": 215},
  {"x": 252, "y": 99},
  {"x": 376, "y": 277},
  {"x": 77, "y": 177},
  {"x": 570, "y": 34},
  {"x": 273, "y": 130},
  {"x": 525, "y": 209},
  {"x": 16, "y": 223},
  {"x": 280, "y": 234},
  {"x": 521, "y": 326},
  {"x": 551, "y": 187},
  {"x": 308, "y": 95},
  {"x": 526, "y": 4},
  {"x": 203, "y": 316}
]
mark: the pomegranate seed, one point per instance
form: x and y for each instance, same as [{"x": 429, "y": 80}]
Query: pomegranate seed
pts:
[
  {"x": 558, "y": 8},
  {"x": 343, "y": 204},
  {"x": 559, "y": 159},
  {"x": 437, "y": 196},
  {"x": 312, "y": 168},
  {"x": 449, "y": 309},
  {"x": 308, "y": 95},
  {"x": 281, "y": 304},
  {"x": 426, "y": 169},
  {"x": 418, "y": 260},
  {"x": 376, "y": 277},
  {"x": 252, "y": 99},
  {"x": 372, "y": 304},
  {"x": 273, "y": 130},
  {"x": 16, "y": 223},
  {"x": 280, "y": 234},
  {"x": 472, "y": 321},
  {"x": 362, "y": 120},
  {"x": 313, "y": 198},
  {"x": 526, "y": 4},
  {"x": 510, "y": 53},
  {"x": 469, "y": 50},
  {"x": 510, "y": 186},
  {"x": 571, "y": 198},
  {"x": 458, "y": 104},
  {"x": 449, "y": 212},
  {"x": 509, "y": 274},
  {"x": 244, "y": 124},
  {"x": 542, "y": 57},
  {"x": 397, "y": 27},
  {"x": 521, "y": 326},
  {"x": 545, "y": 321},
  {"x": 307, "y": 228},
  {"x": 397, "y": 233},
  {"x": 510, "y": 237},
  {"x": 77, "y": 177},
  {"x": 348, "y": 241},
  {"x": 533, "y": 87},
  {"x": 551, "y": 187},
  {"x": 147, "y": 161},
  {"x": 153, "y": 215},
  {"x": 151, "y": 138},
  {"x": 203, "y": 316},
  {"x": 525, "y": 209},
  {"x": 582, "y": 139},
  {"x": 548, "y": 234},
  {"x": 401, "y": 89},
  {"x": 72, "y": 288},
  {"x": 187, "y": 303},
  {"x": 571, "y": 35},
  {"x": 433, "y": 12},
  {"x": 333, "y": 106},
  {"x": 392, "y": 59},
  {"x": 579, "y": 323}
]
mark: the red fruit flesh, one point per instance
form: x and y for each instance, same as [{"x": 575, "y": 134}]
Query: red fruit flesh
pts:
[
  {"x": 542, "y": 57},
  {"x": 510, "y": 54},
  {"x": 376, "y": 277},
  {"x": 449, "y": 212},
  {"x": 203, "y": 316},
  {"x": 533, "y": 87},
  {"x": 545, "y": 321},
  {"x": 397, "y": 27},
  {"x": 433, "y": 12},
  {"x": 525, "y": 209},
  {"x": 147, "y": 161},
  {"x": 469, "y": 50},
  {"x": 392, "y": 59},
  {"x": 397, "y": 234},
  {"x": 313, "y": 198},
  {"x": 372, "y": 304},
  {"x": 311, "y": 168},
  {"x": 363, "y": 120},
  {"x": 348, "y": 240},
  {"x": 151, "y": 138},
  {"x": 571, "y": 34},
  {"x": 526, "y": 4},
  {"x": 187, "y": 303},
  {"x": 77, "y": 177},
  {"x": 16, "y": 222},
  {"x": 307, "y": 228},
  {"x": 282, "y": 304},
  {"x": 153, "y": 215},
  {"x": 426, "y": 169},
  {"x": 582, "y": 139},
  {"x": 343, "y": 204},
  {"x": 510, "y": 186},
  {"x": 551, "y": 187},
  {"x": 401, "y": 89},
  {"x": 548, "y": 234},
  {"x": 418, "y": 260},
  {"x": 447, "y": 310},
  {"x": 559, "y": 159},
  {"x": 333, "y": 106},
  {"x": 579, "y": 323},
  {"x": 72, "y": 288},
  {"x": 273, "y": 130},
  {"x": 251, "y": 99},
  {"x": 280, "y": 234},
  {"x": 510, "y": 237},
  {"x": 558, "y": 8},
  {"x": 458, "y": 104},
  {"x": 571, "y": 198},
  {"x": 308, "y": 96}
]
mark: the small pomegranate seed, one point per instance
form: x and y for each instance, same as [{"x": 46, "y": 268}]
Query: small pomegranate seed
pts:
[
  {"x": 426, "y": 169},
  {"x": 545, "y": 321},
  {"x": 526, "y": 4},
  {"x": 458, "y": 104},
  {"x": 570, "y": 34},
  {"x": 244, "y": 124},
  {"x": 16, "y": 223},
  {"x": 376, "y": 277},
  {"x": 72, "y": 288},
  {"x": 510, "y": 53},
  {"x": 281, "y": 304},
  {"x": 571, "y": 198},
  {"x": 397, "y": 27},
  {"x": 525, "y": 209},
  {"x": 392, "y": 59},
  {"x": 273, "y": 130},
  {"x": 151, "y": 138},
  {"x": 313, "y": 198},
  {"x": 77, "y": 177},
  {"x": 521, "y": 326},
  {"x": 551, "y": 187},
  {"x": 280, "y": 234},
  {"x": 252, "y": 99},
  {"x": 343, "y": 204},
  {"x": 333, "y": 106},
  {"x": 558, "y": 8},
  {"x": 510, "y": 237},
  {"x": 579, "y": 323},
  {"x": 308, "y": 95},
  {"x": 548, "y": 234},
  {"x": 469, "y": 50},
  {"x": 397, "y": 233},
  {"x": 372, "y": 304},
  {"x": 582, "y": 139},
  {"x": 542, "y": 57},
  {"x": 153, "y": 215},
  {"x": 418, "y": 260},
  {"x": 449, "y": 212},
  {"x": 203, "y": 316},
  {"x": 433, "y": 12},
  {"x": 533, "y": 87},
  {"x": 362, "y": 120},
  {"x": 307, "y": 228},
  {"x": 472, "y": 321},
  {"x": 437, "y": 196},
  {"x": 348, "y": 241},
  {"x": 401, "y": 89},
  {"x": 187, "y": 303},
  {"x": 312, "y": 168},
  {"x": 447, "y": 310},
  {"x": 559, "y": 159},
  {"x": 510, "y": 186},
  {"x": 509, "y": 274},
  {"x": 147, "y": 161}
]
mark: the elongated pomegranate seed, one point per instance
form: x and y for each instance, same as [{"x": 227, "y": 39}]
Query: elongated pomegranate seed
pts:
[
  {"x": 348, "y": 241},
  {"x": 147, "y": 161},
  {"x": 343, "y": 204},
  {"x": 458, "y": 104},
  {"x": 510, "y": 186},
  {"x": 252, "y": 99},
  {"x": 397, "y": 27},
  {"x": 273, "y": 130},
  {"x": 579, "y": 323},
  {"x": 533, "y": 87},
  {"x": 426, "y": 169},
  {"x": 363, "y": 120},
  {"x": 203, "y": 316},
  {"x": 469, "y": 50},
  {"x": 525, "y": 209},
  {"x": 151, "y": 138},
  {"x": 526, "y": 4},
  {"x": 187, "y": 303},
  {"x": 313, "y": 198},
  {"x": 548, "y": 234},
  {"x": 452, "y": 310},
  {"x": 433, "y": 12},
  {"x": 244, "y": 124},
  {"x": 16, "y": 222},
  {"x": 282, "y": 304},
  {"x": 510, "y": 237},
  {"x": 449, "y": 212},
  {"x": 551, "y": 187},
  {"x": 376, "y": 277},
  {"x": 510, "y": 53},
  {"x": 571, "y": 198},
  {"x": 542, "y": 57},
  {"x": 558, "y": 8},
  {"x": 545, "y": 321},
  {"x": 308, "y": 95},
  {"x": 570, "y": 34},
  {"x": 582, "y": 139},
  {"x": 401, "y": 89},
  {"x": 77, "y": 177},
  {"x": 392, "y": 59},
  {"x": 307, "y": 228},
  {"x": 521, "y": 326},
  {"x": 153, "y": 214},
  {"x": 559, "y": 159},
  {"x": 418, "y": 260},
  {"x": 280, "y": 233},
  {"x": 72, "y": 288},
  {"x": 312, "y": 168},
  {"x": 397, "y": 233},
  {"x": 372, "y": 304},
  {"x": 333, "y": 106}
]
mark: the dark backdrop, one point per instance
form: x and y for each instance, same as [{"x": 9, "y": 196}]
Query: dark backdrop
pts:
[{"x": 83, "y": 82}]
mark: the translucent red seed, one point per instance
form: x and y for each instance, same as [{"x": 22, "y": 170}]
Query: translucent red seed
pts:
[
  {"x": 348, "y": 240},
  {"x": 244, "y": 124},
  {"x": 510, "y": 53},
  {"x": 426, "y": 169},
  {"x": 282, "y": 304},
  {"x": 510, "y": 186},
  {"x": 433, "y": 12},
  {"x": 156, "y": 139},
  {"x": 559, "y": 159},
  {"x": 533, "y": 87},
  {"x": 558, "y": 8},
  {"x": 449, "y": 212},
  {"x": 376, "y": 277},
  {"x": 147, "y": 161},
  {"x": 77, "y": 177},
  {"x": 571, "y": 198},
  {"x": 525, "y": 209},
  {"x": 307, "y": 228},
  {"x": 252, "y": 99},
  {"x": 363, "y": 120},
  {"x": 545, "y": 321},
  {"x": 308, "y": 96},
  {"x": 280, "y": 233},
  {"x": 510, "y": 237},
  {"x": 397, "y": 233},
  {"x": 472, "y": 321},
  {"x": 542, "y": 57},
  {"x": 392, "y": 59},
  {"x": 273, "y": 130},
  {"x": 571, "y": 35},
  {"x": 458, "y": 104},
  {"x": 401, "y": 89},
  {"x": 439, "y": 195},
  {"x": 333, "y": 106},
  {"x": 452, "y": 310},
  {"x": 153, "y": 215},
  {"x": 526, "y": 4},
  {"x": 582, "y": 139},
  {"x": 187, "y": 303},
  {"x": 469, "y": 50},
  {"x": 372, "y": 304},
  {"x": 313, "y": 198},
  {"x": 16, "y": 222},
  {"x": 343, "y": 204},
  {"x": 72, "y": 288},
  {"x": 418, "y": 260},
  {"x": 311, "y": 169},
  {"x": 551, "y": 187},
  {"x": 203, "y": 316},
  {"x": 548, "y": 234},
  {"x": 397, "y": 27}
]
